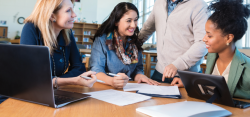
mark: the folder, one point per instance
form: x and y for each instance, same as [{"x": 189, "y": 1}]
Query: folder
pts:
[
  {"x": 162, "y": 96},
  {"x": 161, "y": 91}
]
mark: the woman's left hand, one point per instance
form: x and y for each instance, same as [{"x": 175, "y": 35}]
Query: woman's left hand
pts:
[{"x": 142, "y": 78}]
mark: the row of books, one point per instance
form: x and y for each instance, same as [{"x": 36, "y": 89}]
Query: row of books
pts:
[
  {"x": 85, "y": 39},
  {"x": 84, "y": 33}
]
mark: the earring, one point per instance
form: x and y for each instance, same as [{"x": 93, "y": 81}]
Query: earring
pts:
[
  {"x": 227, "y": 44},
  {"x": 54, "y": 20}
]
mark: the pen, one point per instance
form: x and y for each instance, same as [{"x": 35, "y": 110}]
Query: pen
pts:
[
  {"x": 111, "y": 74},
  {"x": 88, "y": 78}
]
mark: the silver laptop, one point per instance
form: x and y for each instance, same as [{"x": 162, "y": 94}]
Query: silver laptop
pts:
[{"x": 25, "y": 74}]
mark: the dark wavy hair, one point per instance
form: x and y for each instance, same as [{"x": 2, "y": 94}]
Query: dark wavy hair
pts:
[
  {"x": 230, "y": 16},
  {"x": 115, "y": 16}
]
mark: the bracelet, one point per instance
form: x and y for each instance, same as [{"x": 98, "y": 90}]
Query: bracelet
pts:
[{"x": 56, "y": 86}]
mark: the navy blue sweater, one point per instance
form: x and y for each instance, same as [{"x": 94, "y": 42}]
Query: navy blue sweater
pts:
[{"x": 31, "y": 35}]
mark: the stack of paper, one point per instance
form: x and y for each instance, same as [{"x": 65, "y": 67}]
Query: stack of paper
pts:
[
  {"x": 155, "y": 91},
  {"x": 119, "y": 98}
]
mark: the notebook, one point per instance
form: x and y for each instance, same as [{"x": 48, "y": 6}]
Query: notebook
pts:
[
  {"x": 154, "y": 91},
  {"x": 185, "y": 109},
  {"x": 161, "y": 91}
]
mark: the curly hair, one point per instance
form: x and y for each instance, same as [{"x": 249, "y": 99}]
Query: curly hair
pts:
[
  {"x": 230, "y": 16},
  {"x": 115, "y": 16}
]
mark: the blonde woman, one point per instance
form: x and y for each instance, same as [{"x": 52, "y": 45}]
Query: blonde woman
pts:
[{"x": 49, "y": 25}]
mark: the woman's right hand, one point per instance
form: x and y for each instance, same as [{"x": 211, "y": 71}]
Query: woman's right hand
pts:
[
  {"x": 120, "y": 81},
  {"x": 84, "y": 82}
]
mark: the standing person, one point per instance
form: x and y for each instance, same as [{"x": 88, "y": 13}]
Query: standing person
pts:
[
  {"x": 117, "y": 50},
  {"x": 224, "y": 28},
  {"x": 180, "y": 28}
]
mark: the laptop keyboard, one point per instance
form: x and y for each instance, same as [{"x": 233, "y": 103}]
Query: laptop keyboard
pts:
[
  {"x": 241, "y": 104},
  {"x": 62, "y": 99}
]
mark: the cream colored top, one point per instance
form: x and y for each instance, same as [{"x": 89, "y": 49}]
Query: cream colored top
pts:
[
  {"x": 224, "y": 74},
  {"x": 179, "y": 35}
]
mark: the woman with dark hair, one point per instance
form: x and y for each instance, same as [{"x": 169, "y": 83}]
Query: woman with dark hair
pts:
[
  {"x": 224, "y": 27},
  {"x": 116, "y": 48}
]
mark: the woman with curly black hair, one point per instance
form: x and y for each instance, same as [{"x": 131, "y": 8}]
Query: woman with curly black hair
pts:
[
  {"x": 224, "y": 27},
  {"x": 116, "y": 48}
]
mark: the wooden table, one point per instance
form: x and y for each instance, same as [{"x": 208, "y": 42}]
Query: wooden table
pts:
[
  {"x": 91, "y": 107},
  {"x": 149, "y": 54}
]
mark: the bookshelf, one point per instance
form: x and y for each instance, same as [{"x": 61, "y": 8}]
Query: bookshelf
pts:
[{"x": 83, "y": 32}]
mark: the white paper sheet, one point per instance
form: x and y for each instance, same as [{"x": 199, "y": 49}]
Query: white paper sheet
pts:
[
  {"x": 119, "y": 98},
  {"x": 152, "y": 89},
  {"x": 161, "y": 90},
  {"x": 135, "y": 86}
]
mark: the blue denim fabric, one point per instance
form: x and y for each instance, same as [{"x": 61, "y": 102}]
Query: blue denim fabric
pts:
[
  {"x": 172, "y": 5},
  {"x": 104, "y": 60}
]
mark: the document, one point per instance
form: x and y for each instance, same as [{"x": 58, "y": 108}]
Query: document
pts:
[
  {"x": 152, "y": 89},
  {"x": 135, "y": 86},
  {"x": 119, "y": 98},
  {"x": 161, "y": 90}
]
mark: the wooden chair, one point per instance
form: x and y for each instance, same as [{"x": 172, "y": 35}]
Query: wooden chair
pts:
[
  {"x": 152, "y": 63},
  {"x": 86, "y": 62}
]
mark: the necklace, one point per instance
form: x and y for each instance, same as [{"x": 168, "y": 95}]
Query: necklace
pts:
[{"x": 54, "y": 64}]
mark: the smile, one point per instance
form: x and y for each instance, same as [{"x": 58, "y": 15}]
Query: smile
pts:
[{"x": 131, "y": 30}]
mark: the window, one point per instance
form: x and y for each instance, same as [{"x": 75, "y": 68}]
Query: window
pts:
[
  {"x": 246, "y": 38},
  {"x": 140, "y": 7},
  {"x": 145, "y": 7},
  {"x": 150, "y": 4}
]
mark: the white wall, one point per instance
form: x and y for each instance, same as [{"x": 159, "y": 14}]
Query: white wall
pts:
[
  {"x": 98, "y": 10},
  {"x": 92, "y": 10},
  {"x": 89, "y": 10},
  {"x": 105, "y": 7},
  {"x": 9, "y": 8}
]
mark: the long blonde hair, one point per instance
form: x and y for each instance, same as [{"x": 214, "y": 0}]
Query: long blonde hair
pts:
[{"x": 41, "y": 18}]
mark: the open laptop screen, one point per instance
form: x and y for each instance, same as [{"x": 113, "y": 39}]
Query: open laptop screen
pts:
[{"x": 25, "y": 73}]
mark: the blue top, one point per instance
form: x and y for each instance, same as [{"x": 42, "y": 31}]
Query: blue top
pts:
[
  {"x": 172, "y": 5},
  {"x": 31, "y": 35},
  {"x": 104, "y": 60}
]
